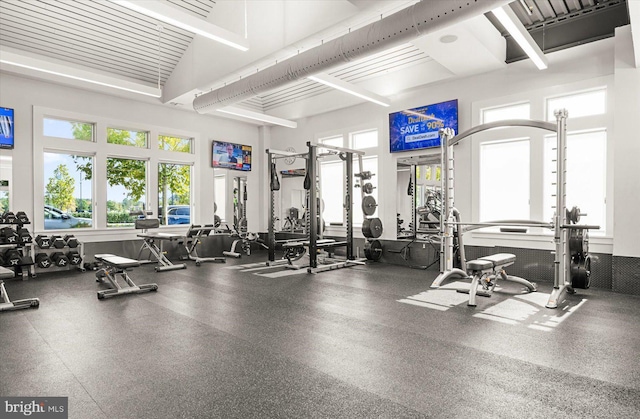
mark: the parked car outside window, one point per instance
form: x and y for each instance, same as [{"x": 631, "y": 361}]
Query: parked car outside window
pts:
[
  {"x": 56, "y": 219},
  {"x": 179, "y": 215}
]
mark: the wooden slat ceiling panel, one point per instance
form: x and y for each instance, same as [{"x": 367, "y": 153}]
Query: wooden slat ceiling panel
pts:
[{"x": 98, "y": 34}]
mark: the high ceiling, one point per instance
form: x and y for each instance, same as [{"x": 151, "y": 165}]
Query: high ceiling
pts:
[{"x": 106, "y": 38}]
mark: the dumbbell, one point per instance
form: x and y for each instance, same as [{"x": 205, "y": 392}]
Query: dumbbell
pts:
[
  {"x": 22, "y": 217},
  {"x": 43, "y": 242},
  {"x": 9, "y": 235},
  {"x": 12, "y": 257},
  {"x": 24, "y": 236},
  {"x": 59, "y": 259},
  {"x": 9, "y": 217},
  {"x": 26, "y": 260},
  {"x": 74, "y": 257},
  {"x": 42, "y": 260},
  {"x": 71, "y": 241},
  {"x": 57, "y": 242}
]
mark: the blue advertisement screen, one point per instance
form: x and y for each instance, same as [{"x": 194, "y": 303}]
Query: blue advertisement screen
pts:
[
  {"x": 231, "y": 156},
  {"x": 419, "y": 127},
  {"x": 6, "y": 128}
]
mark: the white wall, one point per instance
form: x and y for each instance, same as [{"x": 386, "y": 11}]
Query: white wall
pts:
[
  {"x": 22, "y": 94},
  {"x": 590, "y": 61}
]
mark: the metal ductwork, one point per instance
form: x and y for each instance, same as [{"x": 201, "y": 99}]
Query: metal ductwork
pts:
[{"x": 415, "y": 21}]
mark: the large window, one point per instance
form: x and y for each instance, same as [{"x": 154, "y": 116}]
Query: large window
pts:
[
  {"x": 126, "y": 190},
  {"x": 67, "y": 191},
  {"x": 336, "y": 141},
  {"x": 172, "y": 143},
  {"x": 332, "y": 190},
  {"x": 364, "y": 139},
  {"x": 585, "y": 176},
  {"x": 504, "y": 180},
  {"x": 501, "y": 113},
  {"x": 593, "y": 102},
  {"x": 174, "y": 193}
]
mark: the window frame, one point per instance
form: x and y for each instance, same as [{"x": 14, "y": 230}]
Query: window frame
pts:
[{"x": 101, "y": 150}]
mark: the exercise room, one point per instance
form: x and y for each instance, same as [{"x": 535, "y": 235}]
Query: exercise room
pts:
[{"x": 319, "y": 208}]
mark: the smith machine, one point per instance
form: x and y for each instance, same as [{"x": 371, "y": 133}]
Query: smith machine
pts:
[
  {"x": 572, "y": 263},
  {"x": 315, "y": 240}
]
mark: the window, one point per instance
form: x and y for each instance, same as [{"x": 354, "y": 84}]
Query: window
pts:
[
  {"x": 337, "y": 141},
  {"x": 4, "y": 200},
  {"x": 220, "y": 195},
  {"x": 68, "y": 196},
  {"x": 369, "y": 164},
  {"x": 126, "y": 189},
  {"x": 173, "y": 143},
  {"x": 126, "y": 137},
  {"x": 504, "y": 180},
  {"x": 72, "y": 130},
  {"x": 332, "y": 191},
  {"x": 174, "y": 192},
  {"x": 585, "y": 179},
  {"x": 364, "y": 139},
  {"x": 502, "y": 113},
  {"x": 588, "y": 103}
]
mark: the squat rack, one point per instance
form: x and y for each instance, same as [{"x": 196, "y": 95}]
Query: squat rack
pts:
[
  {"x": 311, "y": 157},
  {"x": 560, "y": 225}
]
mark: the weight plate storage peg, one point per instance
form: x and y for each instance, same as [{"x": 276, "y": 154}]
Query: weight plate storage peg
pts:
[
  {"x": 373, "y": 250},
  {"x": 372, "y": 228},
  {"x": 369, "y": 205}
]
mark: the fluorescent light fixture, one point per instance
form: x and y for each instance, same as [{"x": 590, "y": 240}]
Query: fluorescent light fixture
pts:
[
  {"x": 350, "y": 88},
  {"x": 172, "y": 15},
  {"x": 58, "y": 69},
  {"x": 516, "y": 29},
  {"x": 263, "y": 117}
]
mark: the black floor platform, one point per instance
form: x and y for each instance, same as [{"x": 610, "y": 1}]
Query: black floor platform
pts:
[{"x": 217, "y": 341}]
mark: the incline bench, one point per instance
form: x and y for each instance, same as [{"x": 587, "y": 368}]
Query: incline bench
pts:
[
  {"x": 5, "y": 303},
  {"x": 114, "y": 266},
  {"x": 485, "y": 272}
]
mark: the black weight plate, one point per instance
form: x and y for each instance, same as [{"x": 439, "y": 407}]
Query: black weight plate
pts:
[
  {"x": 369, "y": 205},
  {"x": 372, "y": 228},
  {"x": 367, "y": 187},
  {"x": 581, "y": 273},
  {"x": 373, "y": 250}
]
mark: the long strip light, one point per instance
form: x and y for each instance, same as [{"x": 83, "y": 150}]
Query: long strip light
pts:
[
  {"x": 350, "y": 88},
  {"x": 56, "y": 69},
  {"x": 232, "y": 110},
  {"x": 516, "y": 29},
  {"x": 176, "y": 17}
]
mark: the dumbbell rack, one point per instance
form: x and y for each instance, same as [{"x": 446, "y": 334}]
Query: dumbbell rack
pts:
[
  {"x": 25, "y": 267},
  {"x": 36, "y": 249}
]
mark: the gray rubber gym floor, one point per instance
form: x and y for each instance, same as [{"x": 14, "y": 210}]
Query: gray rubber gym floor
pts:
[{"x": 223, "y": 341}]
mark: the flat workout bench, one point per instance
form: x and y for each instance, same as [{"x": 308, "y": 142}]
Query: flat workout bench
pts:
[
  {"x": 485, "y": 272},
  {"x": 114, "y": 266}
]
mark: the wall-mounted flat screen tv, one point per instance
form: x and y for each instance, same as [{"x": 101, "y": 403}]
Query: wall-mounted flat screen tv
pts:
[
  {"x": 418, "y": 128},
  {"x": 6, "y": 128},
  {"x": 231, "y": 156}
]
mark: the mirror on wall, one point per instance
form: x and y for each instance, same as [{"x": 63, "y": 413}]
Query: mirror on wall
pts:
[
  {"x": 240, "y": 197},
  {"x": 6, "y": 171},
  {"x": 418, "y": 204}
]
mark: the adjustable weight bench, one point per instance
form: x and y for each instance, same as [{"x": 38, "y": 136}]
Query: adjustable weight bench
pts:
[
  {"x": 5, "y": 303},
  {"x": 193, "y": 239},
  {"x": 485, "y": 272},
  {"x": 114, "y": 266},
  {"x": 149, "y": 242}
]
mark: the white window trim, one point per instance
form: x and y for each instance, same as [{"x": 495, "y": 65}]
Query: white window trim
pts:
[
  {"x": 101, "y": 150},
  {"x": 538, "y": 101}
]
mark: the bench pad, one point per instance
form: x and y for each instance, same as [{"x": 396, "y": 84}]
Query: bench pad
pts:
[
  {"x": 500, "y": 259},
  {"x": 117, "y": 261},
  {"x": 479, "y": 265}
]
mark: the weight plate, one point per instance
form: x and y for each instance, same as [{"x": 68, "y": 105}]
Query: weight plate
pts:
[
  {"x": 217, "y": 221},
  {"x": 369, "y": 205},
  {"x": 367, "y": 187},
  {"x": 372, "y": 228},
  {"x": 373, "y": 250},
  {"x": 215, "y": 207},
  {"x": 581, "y": 272}
]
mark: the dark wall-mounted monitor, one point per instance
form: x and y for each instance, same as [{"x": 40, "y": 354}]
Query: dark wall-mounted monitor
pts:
[
  {"x": 7, "y": 130},
  {"x": 231, "y": 156},
  {"x": 419, "y": 128}
]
